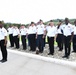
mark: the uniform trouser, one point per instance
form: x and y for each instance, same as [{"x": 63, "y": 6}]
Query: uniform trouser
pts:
[
  {"x": 11, "y": 40},
  {"x": 36, "y": 42},
  {"x": 60, "y": 41},
  {"x": 16, "y": 41},
  {"x": 32, "y": 41},
  {"x": 3, "y": 50},
  {"x": 23, "y": 38},
  {"x": 57, "y": 41},
  {"x": 51, "y": 44},
  {"x": 74, "y": 43},
  {"x": 40, "y": 43},
  {"x": 67, "y": 45},
  {"x": 44, "y": 41}
]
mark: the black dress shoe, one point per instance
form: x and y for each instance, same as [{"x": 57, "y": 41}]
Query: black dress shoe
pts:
[
  {"x": 2, "y": 61},
  {"x": 67, "y": 57},
  {"x": 50, "y": 54},
  {"x": 37, "y": 51},
  {"x": 17, "y": 48},
  {"x": 11, "y": 46},
  {"x": 64, "y": 56},
  {"x": 74, "y": 51},
  {"x": 59, "y": 50},
  {"x": 24, "y": 48}
]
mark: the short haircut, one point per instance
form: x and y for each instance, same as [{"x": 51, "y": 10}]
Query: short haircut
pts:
[
  {"x": 51, "y": 20},
  {"x": 66, "y": 19},
  {"x": 0, "y": 22},
  {"x": 32, "y": 22},
  {"x": 41, "y": 20}
]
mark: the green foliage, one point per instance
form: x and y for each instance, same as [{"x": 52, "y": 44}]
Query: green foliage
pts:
[
  {"x": 56, "y": 21},
  {"x": 6, "y": 25}
]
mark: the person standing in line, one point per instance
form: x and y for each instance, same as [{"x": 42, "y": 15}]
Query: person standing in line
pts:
[
  {"x": 10, "y": 32},
  {"x": 68, "y": 36},
  {"x": 32, "y": 36},
  {"x": 23, "y": 32},
  {"x": 59, "y": 36},
  {"x": 51, "y": 35},
  {"x": 3, "y": 42},
  {"x": 16, "y": 35},
  {"x": 40, "y": 36},
  {"x": 48, "y": 24},
  {"x": 74, "y": 37}
]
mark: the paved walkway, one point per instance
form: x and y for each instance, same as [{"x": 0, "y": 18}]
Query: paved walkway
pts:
[{"x": 26, "y": 64}]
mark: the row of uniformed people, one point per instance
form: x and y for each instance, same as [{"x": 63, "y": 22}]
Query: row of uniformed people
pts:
[
  {"x": 32, "y": 31},
  {"x": 65, "y": 35},
  {"x": 62, "y": 31},
  {"x": 68, "y": 31},
  {"x": 36, "y": 36}
]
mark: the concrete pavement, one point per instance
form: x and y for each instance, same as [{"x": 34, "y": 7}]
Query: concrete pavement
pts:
[{"x": 20, "y": 63}]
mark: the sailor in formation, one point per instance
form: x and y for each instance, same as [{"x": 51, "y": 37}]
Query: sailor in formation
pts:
[
  {"x": 40, "y": 36},
  {"x": 23, "y": 32},
  {"x": 16, "y": 36},
  {"x": 51, "y": 34},
  {"x": 3, "y": 42},
  {"x": 10, "y": 32},
  {"x": 67, "y": 29}
]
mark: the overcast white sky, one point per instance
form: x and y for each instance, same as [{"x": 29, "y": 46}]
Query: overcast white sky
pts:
[{"x": 25, "y": 11}]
